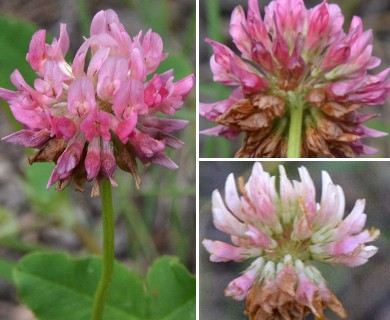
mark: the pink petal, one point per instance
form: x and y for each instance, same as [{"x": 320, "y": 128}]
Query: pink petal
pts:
[
  {"x": 308, "y": 190},
  {"x": 222, "y": 131},
  {"x": 318, "y": 25},
  {"x": 251, "y": 81},
  {"x": 97, "y": 61},
  {"x": 280, "y": 48},
  {"x": 358, "y": 259},
  {"x": 232, "y": 198},
  {"x": 211, "y": 111},
  {"x": 111, "y": 76},
  {"x": 79, "y": 59},
  {"x": 369, "y": 132},
  {"x": 102, "y": 20},
  {"x": 335, "y": 56},
  {"x": 32, "y": 119},
  {"x": 163, "y": 124},
  {"x": 287, "y": 192},
  {"x": 354, "y": 222},
  {"x": 178, "y": 92},
  {"x": 184, "y": 86},
  {"x": 240, "y": 35},
  {"x": 137, "y": 65},
  {"x": 155, "y": 92},
  {"x": 152, "y": 46},
  {"x": 306, "y": 291},
  {"x": 29, "y": 138},
  {"x": 261, "y": 196},
  {"x": 52, "y": 84},
  {"x": 67, "y": 161},
  {"x": 146, "y": 146},
  {"x": 108, "y": 162},
  {"x": 19, "y": 82},
  {"x": 63, "y": 41},
  {"x": 263, "y": 57},
  {"x": 332, "y": 203},
  {"x": 81, "y": 97},
  {"x": 349, "y": 244},
  {"x": 58, "y": 49},
  {"x": 65, "y": 128},
  {"x": 256, "y": 26},
  {"x": 220, "y": 64},
  {"x": 129, "y": 96},
  {"x": 92, "y": 160},
  {"x": 239, "y": 287},
  {"x": 96, "y": 124},
  {"x": 125, "y": 127},
  {"x": 257, "y": 238},
  {"x": 36, "y": 54},
  {"x": 8, "y": 95},
  {"x": 163, "y": 160},
  {"x": 223, "y": 252},
  {"x": 223, "y": 219}
]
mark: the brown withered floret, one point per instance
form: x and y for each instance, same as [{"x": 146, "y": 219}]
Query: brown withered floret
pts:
[
  {"x": 125, "y": 159},
  {"x": 278, "y": 301},
  {"x": 49, "y": 152},
  {"x": 255, "y": 115},
  {"x": 53, "y": 148},
  {"x": 329, "y": 129}
]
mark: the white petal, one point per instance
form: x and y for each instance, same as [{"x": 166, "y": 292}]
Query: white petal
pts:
[
  {"x": 232, "y": 198},
  {"x": 223, "y": 219}
]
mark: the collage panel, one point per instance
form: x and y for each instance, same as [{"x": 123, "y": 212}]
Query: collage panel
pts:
[
  {"x": 293, "y": 78},
  {"x": 97, "y": 159},
  {"x": 294, "y": 240},
  {"x": 126, "y": 191}
]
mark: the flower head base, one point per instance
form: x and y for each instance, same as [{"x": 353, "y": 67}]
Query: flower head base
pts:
[
  {"x": 284, "y": 231},
  {"x": 296, "y": 60},
  {"x": 288, "y": 290},
  {"x": 90, "y": 118}
]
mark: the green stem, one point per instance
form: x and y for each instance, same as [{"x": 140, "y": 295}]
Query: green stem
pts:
[
  {"x": 108, "y": 251},
  {"x": 295, "y": 130}
]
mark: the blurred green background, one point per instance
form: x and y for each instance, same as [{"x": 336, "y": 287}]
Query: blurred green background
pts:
[
  {"x": 159, "y": 219},
  {"x": 214, "y": 24},
  {"x": 364, "y": 291}
]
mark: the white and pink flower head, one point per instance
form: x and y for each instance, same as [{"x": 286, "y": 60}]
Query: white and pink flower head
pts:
[
  {"x": 294, "y": 56},
  {"x": 284, "y": 231},
  {"x": 95, "y": 114}
]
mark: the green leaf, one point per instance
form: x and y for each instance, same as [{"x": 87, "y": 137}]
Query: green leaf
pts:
[
  {"x": 172, "y": 290},
  {"x": 54, "y": 285},
  {"x": 6, "y": 267}
]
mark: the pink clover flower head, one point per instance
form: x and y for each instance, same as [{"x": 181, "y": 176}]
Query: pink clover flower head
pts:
[
  {"x": 293, "y": 57},
  {"x": 91, "y": 118},
  {"x": 283, "y": 230}
]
